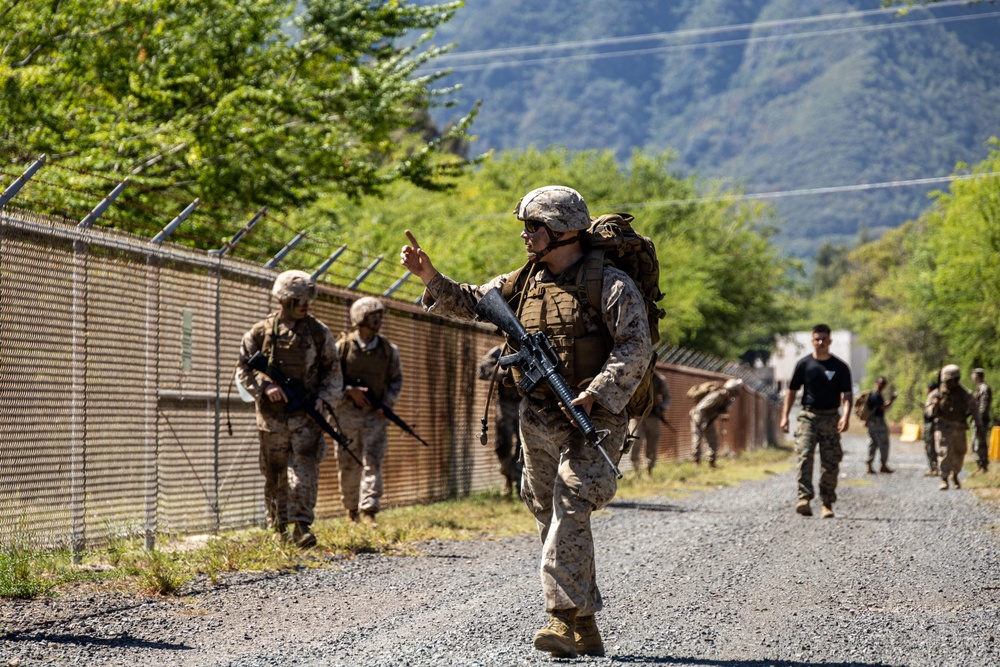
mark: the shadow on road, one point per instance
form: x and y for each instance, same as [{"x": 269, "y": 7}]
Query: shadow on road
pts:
[
  {"x": 86, "y": 640},
  {"x": 669, "y": 660},
  {"x": 645, "y": 507}
]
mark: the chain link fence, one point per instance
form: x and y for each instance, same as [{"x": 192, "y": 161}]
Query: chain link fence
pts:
[{"x": 116, "y": 362}]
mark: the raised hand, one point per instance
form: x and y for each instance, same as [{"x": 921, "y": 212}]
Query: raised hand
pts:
[{"x": 413, "y": 257}]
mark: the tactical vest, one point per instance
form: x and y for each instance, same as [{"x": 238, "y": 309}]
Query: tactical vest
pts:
[
  {"x": 367, "y": 368},
  {"x": 562, "y": 311},
  {"x": 953, "y": 406},
  {"x": 295, "y": 352}
]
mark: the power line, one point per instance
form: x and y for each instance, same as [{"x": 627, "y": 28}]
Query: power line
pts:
[
  {"x": 718, "y": 43},
  {"x": 687, "y": 32},
  {"x": 858, "y": 187}
]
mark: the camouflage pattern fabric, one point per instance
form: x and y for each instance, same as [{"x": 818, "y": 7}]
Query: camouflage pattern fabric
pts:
[
  {"x": 930, "y": 449},
  {"x": 564, "y": 479},
  {"x": 292, "y": 445},
  {"x": 702, "y": 431},
  {"x": 648, "y": 443},
  {"x": 952, "y": 446},
  {"x": 818, "y": 430},
  {"x": 508, "y": 440},
  {"x": 361, "y": 487},
  {"x": 878, "y": 440},
  {"x": 289, "y": 462},
  {"x": 983, "y": 394}
]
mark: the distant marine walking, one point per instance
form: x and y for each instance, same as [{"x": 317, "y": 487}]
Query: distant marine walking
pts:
[{"x": 825, "y": 381}]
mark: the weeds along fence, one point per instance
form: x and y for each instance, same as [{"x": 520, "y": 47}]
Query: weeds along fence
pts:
[{"x": 116, "y": 356}]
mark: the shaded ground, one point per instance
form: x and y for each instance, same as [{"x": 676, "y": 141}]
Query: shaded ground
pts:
[{"x": 904, "y": 575}]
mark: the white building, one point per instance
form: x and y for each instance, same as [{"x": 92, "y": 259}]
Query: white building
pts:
[{"x": 843, "y": 344}]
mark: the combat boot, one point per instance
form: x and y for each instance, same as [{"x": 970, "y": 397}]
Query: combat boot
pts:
[
  {"x": 588, "y": 639},
  {"x": 803, "y": 508},
  {"x": 279, "y": 536},
  {"x": 368, "y": 517},
  {"x": 302, "y": 536},
  {"x": 559, "y": 636},
  {"x": 353, "y": 516},
  {"x": 827, "y": 512},
  {"x": 944, "y": 484},
  {"x": 886, "y": 469},
  {"x": 931, "y": 473},
  {"x": 954, "y": 480},
  {"x": 871, "y": 470}
]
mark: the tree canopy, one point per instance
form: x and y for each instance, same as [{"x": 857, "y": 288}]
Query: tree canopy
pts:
[
  {"x": 242, "y": 103},
  {"x": 728, "y": 289},
  {"x": 926, "y": 294}
]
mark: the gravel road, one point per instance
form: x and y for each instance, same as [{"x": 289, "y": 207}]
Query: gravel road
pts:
[{"x": 904, "y": 575}]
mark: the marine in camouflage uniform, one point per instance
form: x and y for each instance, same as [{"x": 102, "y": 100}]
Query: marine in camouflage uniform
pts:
[
  {"x": 648, "y": 430},
  {"x": 825, "y": 381},
  {"x": 291, "y": 443},
  {"x": 604, "y": 351},
  {"x": 705, "y": 414},
  {"x": 878, "y": 429},
  {"x": 508, "y": 435},
  {"x": 368, "y": 361},
  {"x": 928, "y": 434},
  {"x": 951, "y": 406},
  {"x": 983, "y": 394}
]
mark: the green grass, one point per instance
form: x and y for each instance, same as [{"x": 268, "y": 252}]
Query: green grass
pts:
[{"x": 27, "y": 572}]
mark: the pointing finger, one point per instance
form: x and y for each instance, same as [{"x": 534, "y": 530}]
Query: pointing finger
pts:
[{"x": 413, "y": 239}]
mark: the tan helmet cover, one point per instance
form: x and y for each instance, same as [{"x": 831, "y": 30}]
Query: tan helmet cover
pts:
[
  {"x": 364, "y": 307},
  {"x": 562, "y": 209},
  {"x": 294, "y": 284},
  {"x": 735, "y": 383},
  {"x": 951, "y": 372}
]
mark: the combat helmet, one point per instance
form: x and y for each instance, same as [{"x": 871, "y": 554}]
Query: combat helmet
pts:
[
  {"x": 294, "y": 284},
  {"x": 562, "y": 209},
  {"x": 364, "y": 307},
  {"x": 951, "y": 372}
]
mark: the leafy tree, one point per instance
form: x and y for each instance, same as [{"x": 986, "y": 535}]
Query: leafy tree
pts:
[
  {"x": 926, "y": 294},
  {"x": 237, "y": 102},
  {"x": 727, "y": 288}
]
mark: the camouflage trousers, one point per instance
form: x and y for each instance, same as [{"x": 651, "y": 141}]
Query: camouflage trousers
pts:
[
  {"x": 289, "y": 462},
  {"x": 361, "y": 485},
  {"x": 929, "y": 447},
  {"x": 564, "y": 481},
  {"x": 818, "y": 430},
  {"x": 878, "y": 440},
  {"x": 647, "y": 442},
  {"x": 982, "y": 452},
  {"x": 702, "y": 430},
  {"x": 508, "y": 443},
  {"x": 952, "y": 446}
]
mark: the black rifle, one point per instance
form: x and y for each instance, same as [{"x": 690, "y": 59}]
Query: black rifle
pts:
[
  {"x": 666, "y": 422},
  {"x": 298, "y": 399},
  {"x": 538, "y": 361},
  {"x": 379, "y": 404}
]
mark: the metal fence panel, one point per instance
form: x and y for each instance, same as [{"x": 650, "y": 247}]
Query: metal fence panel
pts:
[{"x": 116, "y": 361}]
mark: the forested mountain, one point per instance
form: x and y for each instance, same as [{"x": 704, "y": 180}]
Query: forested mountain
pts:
[{"x": 792, "y": 95}]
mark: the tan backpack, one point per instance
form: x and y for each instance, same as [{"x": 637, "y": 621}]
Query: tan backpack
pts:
[{"x": 700, "y": 391}]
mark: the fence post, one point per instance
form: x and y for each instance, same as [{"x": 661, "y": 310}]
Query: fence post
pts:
[
  {"x": 216, "y": 272},
  {"x": 152, "y": 385}
]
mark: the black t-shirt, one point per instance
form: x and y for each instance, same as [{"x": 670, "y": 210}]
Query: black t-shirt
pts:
[
  {"x": 824, "y": 381},
  {"x": 876, "y": 404}
]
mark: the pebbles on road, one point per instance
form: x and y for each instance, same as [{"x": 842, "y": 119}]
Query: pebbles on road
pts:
[{"x": 904, "y": 575}]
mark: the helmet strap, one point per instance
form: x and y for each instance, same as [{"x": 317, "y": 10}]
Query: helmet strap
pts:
[{"x": 564, "y": 239}]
